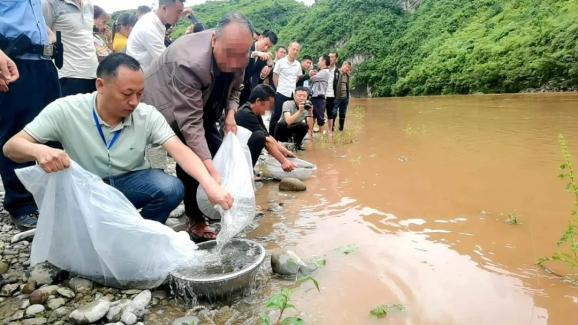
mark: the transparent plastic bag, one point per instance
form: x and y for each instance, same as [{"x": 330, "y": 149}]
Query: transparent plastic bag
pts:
[
  {"x": 233, "y": 163},
  {"x": 91, "y": 229},
  {"x": 271, "y": 168}
]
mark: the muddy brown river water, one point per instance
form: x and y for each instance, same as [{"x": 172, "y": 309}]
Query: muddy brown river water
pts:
[{"x": 423, "y": 196}]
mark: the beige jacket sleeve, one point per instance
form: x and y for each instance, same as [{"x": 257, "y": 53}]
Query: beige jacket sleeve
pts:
[{"x": 188, "y": 110}]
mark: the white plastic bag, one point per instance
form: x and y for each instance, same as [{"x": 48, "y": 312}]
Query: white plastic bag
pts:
[
  {"x": 270, "y": 167},
  {"x": 91, "y": 229},
  {"x": 233, "y": 163}
]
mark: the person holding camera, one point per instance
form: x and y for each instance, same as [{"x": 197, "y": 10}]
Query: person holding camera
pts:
[
  {"x": 319, "y": 85},
  {"x": 25, "y": 68},
  {"x": 292, "y": 125}
]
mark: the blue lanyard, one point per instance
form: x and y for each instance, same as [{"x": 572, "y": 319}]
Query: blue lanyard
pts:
[{"x": 114, "y": 137}]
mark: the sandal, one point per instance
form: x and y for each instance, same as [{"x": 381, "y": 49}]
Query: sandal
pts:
[{"x": 201, "y": 232}]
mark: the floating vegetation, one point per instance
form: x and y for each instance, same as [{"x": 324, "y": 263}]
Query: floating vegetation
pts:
[
  {"x": 513, "y": 219},
  {"x": 568, "y": 244},
  {"x": 354, "y": 123},
  {"x": 382, "y": 311}
]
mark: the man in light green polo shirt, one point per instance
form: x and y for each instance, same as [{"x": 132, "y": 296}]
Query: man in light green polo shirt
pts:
[{"x": 107, "y": 132}]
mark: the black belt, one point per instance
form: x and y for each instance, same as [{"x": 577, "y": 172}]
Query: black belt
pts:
[{"x": 41, "y": 50}]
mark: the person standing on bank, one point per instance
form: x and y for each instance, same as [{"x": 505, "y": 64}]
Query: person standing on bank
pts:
[
  {"x": 250, "y": 115},
  {"x": 196, "y": 84},
  {"x": 74, "y": 19},
  {"x": 342, "y": 94},
  {"x": 28, "y": 82},
  {"x": 146, "y": 42},
  {"x": 319, "y": 85},
  {"x": 106, "y": 133},
  {"x": 330, "y": 95},
  {"x": 285, "y": 76},
  {"x": 260, "y": 58}
]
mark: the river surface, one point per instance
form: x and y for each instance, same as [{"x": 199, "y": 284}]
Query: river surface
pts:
[{"x": 423, "y": 196}]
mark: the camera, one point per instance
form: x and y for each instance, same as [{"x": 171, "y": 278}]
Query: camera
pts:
[{"x": 308, "y": 105}]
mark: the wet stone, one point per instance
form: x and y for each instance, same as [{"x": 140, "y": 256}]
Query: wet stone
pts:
[
  {"x": 292, "y": 184},
  {"x": 29, "y": 287},
  {"x": 90, "y": 313},
  {"x": 17, "y": 315},
  {"x": 56, "y": 303},
  {"x": 40, "y": 296},
  {"x": 35, "y": 321},
  {"x": 286, "y": 262},
  {"x": 128, "y": 318}
]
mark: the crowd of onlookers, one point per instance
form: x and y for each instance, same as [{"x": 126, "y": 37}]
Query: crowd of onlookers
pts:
[{"x": 123, "y": 89}]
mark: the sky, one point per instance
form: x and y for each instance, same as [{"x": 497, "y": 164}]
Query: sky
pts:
[{"x": 114, "y": 5}]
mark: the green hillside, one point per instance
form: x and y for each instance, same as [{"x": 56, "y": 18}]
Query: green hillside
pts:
[{"x": 444, "y": 47}]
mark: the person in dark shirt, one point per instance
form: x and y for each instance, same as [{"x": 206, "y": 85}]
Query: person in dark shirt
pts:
[
  {"x": 306, "y": 65},
  {"x": 250, "y": 115},
  {"x": 260, "y": 58}
]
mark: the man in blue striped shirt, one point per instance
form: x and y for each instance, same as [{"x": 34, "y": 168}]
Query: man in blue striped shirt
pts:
[{"x": 24, "y": 37}]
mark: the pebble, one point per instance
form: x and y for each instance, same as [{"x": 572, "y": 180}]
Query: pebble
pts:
[
  {"x": 34, "y": 309},
  {"x": 29, "y": 287},
  {"x": 128, "y": 318},
  {"x": 186, "y": 320},
  {"x": 34, "y": 321},
  {"x": 80, "y": 285},
  {"x": 56, "y": 303},
  {"x": 90, "y": 313},
  {"x": 9, "y": 289},
  {"x": 66, "y": 293},
  {"x": 40, "y": 296},
  {"x": 4, "y": 267},
  {"x": 17, "y": 315},
  {"x": 61, "y": 312},
  {"x": 25, "y": 304},
  {"x": 292, "y": 184},
  {"x": 115, "y": 311}
]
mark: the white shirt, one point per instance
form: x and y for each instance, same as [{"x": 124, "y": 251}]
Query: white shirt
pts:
[
  {"x": 146, "y": 41},
  {"x": 75, "y": 22},
  {"x": 330, "y": 92},
  {"x": 288, "y": 73}
]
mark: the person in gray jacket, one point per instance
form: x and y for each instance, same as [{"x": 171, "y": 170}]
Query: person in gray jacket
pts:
[
  {"x": 319, "y": 84},
  {"x": 196, "y": 84}
]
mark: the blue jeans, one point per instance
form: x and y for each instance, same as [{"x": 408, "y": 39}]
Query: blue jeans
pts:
[{"x": 150, "y": 189}]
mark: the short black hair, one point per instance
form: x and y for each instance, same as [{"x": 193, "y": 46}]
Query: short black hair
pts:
[
  {"x": 327, "y": 60},
  {"x": 307, "y": 57},
  {"x": 109, "y": 66},
  {"x": 336, "y": 54},
  {"x": 270, "y": 35},
  {"x": 261, "y": 92},
  {"x": 281, "y": 47},
  {"x": 125, "y": 19},
  {"x": 143, "y": 9},
  {"x": 198, "y": 27},
  {"x": 169, "y": 2},
  {"x": 301, "y": 88}
]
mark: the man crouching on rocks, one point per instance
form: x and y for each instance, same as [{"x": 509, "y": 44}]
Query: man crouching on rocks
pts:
[{"x": 106, "y": 133}]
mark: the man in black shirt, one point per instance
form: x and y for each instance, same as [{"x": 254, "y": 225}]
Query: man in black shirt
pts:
[{"x": 261, "y": 100}]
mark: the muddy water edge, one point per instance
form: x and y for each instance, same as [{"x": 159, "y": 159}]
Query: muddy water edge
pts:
[{"x": 423, "y": 195}]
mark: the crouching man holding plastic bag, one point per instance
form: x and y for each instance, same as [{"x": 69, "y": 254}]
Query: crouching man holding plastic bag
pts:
[{"x": 106, "y": 133}]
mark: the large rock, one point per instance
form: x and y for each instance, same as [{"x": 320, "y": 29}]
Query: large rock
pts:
[
  {"x": 90, "y": 313},
  {"x": 187, "y": 320},
  {"x": 140, "y": 301},
  {"x": 292, "y": 184},
  {"x": 46, "y": 273},
  {"x": 80, "y": 285},
  {"x": 286, "y": 262}
]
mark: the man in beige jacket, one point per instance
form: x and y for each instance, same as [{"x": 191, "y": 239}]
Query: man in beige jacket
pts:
[{"x": 195, "y": 84}]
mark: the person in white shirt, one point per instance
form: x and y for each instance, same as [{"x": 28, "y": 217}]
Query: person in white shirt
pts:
[
  {"x": 74, "y": 19},
  {"x": 330, "y": 95},
  {"x": 146, "y": 42},
  {"x": 285, "y": 76}
]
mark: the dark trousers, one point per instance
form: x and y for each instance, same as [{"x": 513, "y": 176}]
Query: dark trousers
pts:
[
  {"x": 294, "y": 132},
  {"x": 319, "y": 109},
  {"x": 73, "y": 86},
  {"x": 214, "y": 139},
  {"x": 37, "y": 87},
  {"x": 256, "y": 143},
  {"x": 276, "y": 115},
  {"x": 340, "y": 108},
  {"x": 151, "y": 190},
  {"x": 329, "y": 103}
]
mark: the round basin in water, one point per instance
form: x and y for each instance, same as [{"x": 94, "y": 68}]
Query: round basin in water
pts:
[{"x": 220, "y": 275}]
